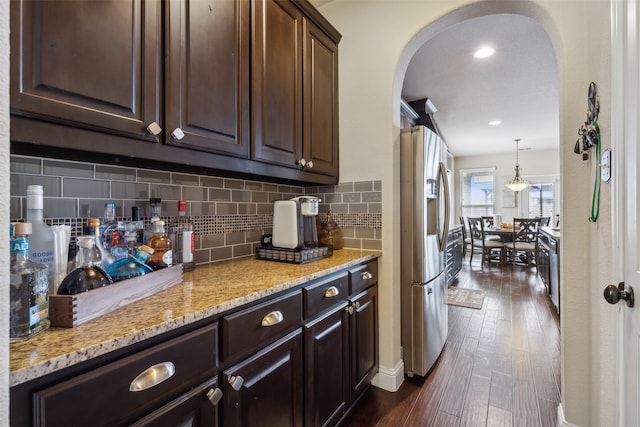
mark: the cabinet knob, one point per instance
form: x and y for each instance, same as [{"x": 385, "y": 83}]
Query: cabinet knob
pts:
[
  {"x": 154, "y": 129},
  {"x": 331, "y": 292},
  {"x": 356, "y": 305},
  {"x": 236, "y": 382},
  {"x": 177, "y": 134},
  {"x": 301, "y": 162},
  {"x": 214, "y": 396},
  {"x": 152, "y": 376},
  {"x": 349, "y": 309},
  {"x": 272, "y": 318},
  {"x": 366, "y": 275},
  {"x": 310, "y": 164}
]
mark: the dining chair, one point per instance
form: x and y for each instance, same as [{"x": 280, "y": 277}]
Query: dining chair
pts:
[
  {"x": 525, "y": 241},
  {"x": 480, "y": 244},
  {"x": 467, "y": 244},
  {"x": 488, "y": 222}
]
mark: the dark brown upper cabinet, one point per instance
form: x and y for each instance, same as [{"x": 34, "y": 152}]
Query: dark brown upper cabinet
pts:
[
  {"x": 90, "y": 64},
  {"x": 320, "y": 125},
  {"x": 245, "y": 88},
  {"x": 99, "y": 65},
  {"x": 277, "y": 82},
  {"x": 294, "y": 89},
  {"x": 207, "y": 75}
]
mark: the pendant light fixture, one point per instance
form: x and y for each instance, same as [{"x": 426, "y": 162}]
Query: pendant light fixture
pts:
[{"x": 517, "y": 183}]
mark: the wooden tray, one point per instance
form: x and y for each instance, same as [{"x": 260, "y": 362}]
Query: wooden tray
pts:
[{"x": 69, "y": 311}]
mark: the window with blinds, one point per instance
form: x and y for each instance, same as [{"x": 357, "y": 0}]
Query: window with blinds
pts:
[
  {"x": 541, "y": 200},
  {"x": 477, "y": 195}
]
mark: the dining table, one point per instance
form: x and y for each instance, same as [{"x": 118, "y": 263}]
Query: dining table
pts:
[{"x": 505, "y": 233}]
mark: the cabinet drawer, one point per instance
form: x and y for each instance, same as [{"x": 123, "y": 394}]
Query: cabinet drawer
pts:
[
  {"x": 103, "y": 396},
  {"x": 260, "y": 324},
  {"x": 363, "y": 276},
  {"x": 324, "y": 294}
]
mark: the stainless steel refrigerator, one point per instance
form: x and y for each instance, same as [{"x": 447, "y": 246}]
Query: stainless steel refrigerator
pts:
[{"x": 424, "y": 227}]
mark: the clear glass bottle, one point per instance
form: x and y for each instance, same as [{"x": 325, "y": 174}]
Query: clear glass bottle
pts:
[
  {"x": 109, "y": 232},
  {"x": 42, "y": 240},
  {"x": 137, "y": 223},
  {"x": 161, "y": 244},
  {"x": 131, "y": 242},
  {"x": 29, "y": 288},
  {"x": 106, "y": 257},
  {"x": 183, "y": 239},
  {"x": 155, "y": 204},
  {"x": 89, "y": 275}
]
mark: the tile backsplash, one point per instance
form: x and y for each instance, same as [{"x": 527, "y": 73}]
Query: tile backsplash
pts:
[{"x": 229, "y": 215}]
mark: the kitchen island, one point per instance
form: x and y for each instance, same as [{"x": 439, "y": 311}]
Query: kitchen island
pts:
[{"x": 209, "y": 290}]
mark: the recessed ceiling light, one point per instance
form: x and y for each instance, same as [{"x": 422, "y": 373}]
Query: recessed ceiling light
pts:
[
  {"x": 484, "y": 52},
  {"x": 494, "y": 122}
]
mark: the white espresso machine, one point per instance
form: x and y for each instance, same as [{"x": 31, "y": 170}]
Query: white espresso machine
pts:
[{"x": 294, "y": 223}]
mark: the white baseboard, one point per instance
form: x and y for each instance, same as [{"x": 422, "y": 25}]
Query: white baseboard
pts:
[
  {"x": 389, "y": 379},
  {"x": 562, "y": 422}
]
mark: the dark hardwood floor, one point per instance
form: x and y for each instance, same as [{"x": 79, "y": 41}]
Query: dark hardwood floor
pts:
[{"x": 499, "y": 367}]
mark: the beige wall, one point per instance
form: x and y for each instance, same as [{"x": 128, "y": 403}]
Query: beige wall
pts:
[{"x": 379, "y": 38}]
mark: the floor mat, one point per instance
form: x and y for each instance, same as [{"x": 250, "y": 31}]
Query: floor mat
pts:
[{"x": 462, "y": 297}]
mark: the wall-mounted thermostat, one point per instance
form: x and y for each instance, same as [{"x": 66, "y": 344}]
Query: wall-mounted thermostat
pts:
[{"x": 605, "y": 165}]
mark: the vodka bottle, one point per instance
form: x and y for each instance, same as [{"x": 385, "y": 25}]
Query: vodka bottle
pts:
[
  {"x": 183, "y": 239},
  {"x": 161, "y": 244},
  {"x": 89, "y": 275},
  {"x": 29, "y": 288},
  {"x": 41, "y": 242}
]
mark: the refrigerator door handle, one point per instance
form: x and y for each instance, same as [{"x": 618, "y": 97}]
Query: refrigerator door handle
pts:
[{"x": 445, "y": 187}]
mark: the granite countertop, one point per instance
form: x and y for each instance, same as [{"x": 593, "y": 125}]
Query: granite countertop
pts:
[
  {"x": 207, "y": 291},
  {"x": 552, "y": 231}
]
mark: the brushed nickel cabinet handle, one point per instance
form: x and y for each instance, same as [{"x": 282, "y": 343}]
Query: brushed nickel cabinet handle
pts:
[
  {"x": 152, "y": 376},
  {"x": 331, "y": 292},
  {"x": 214, "y": 396},
  {"x": 236, "y": 382},
  {"x": 366, "y": 275},
  {"x": 177, "y": 134},
  {"x": 272, "y": 318},
  {"x": 154, "y": 129}
]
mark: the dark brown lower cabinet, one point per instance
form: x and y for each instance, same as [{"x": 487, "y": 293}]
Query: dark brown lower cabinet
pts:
[
  {"x": 301, "y": 358},
  {"x": 126, "y": 390},
  {"x": 266, "y": 389},
  {"x": 197, "y": 408},
  {"x": 364, "y": 341},
  {"x": 326, "y": 342}
]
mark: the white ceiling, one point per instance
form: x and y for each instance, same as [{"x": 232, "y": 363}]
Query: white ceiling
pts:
[{"x": 518, "y": 85}]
